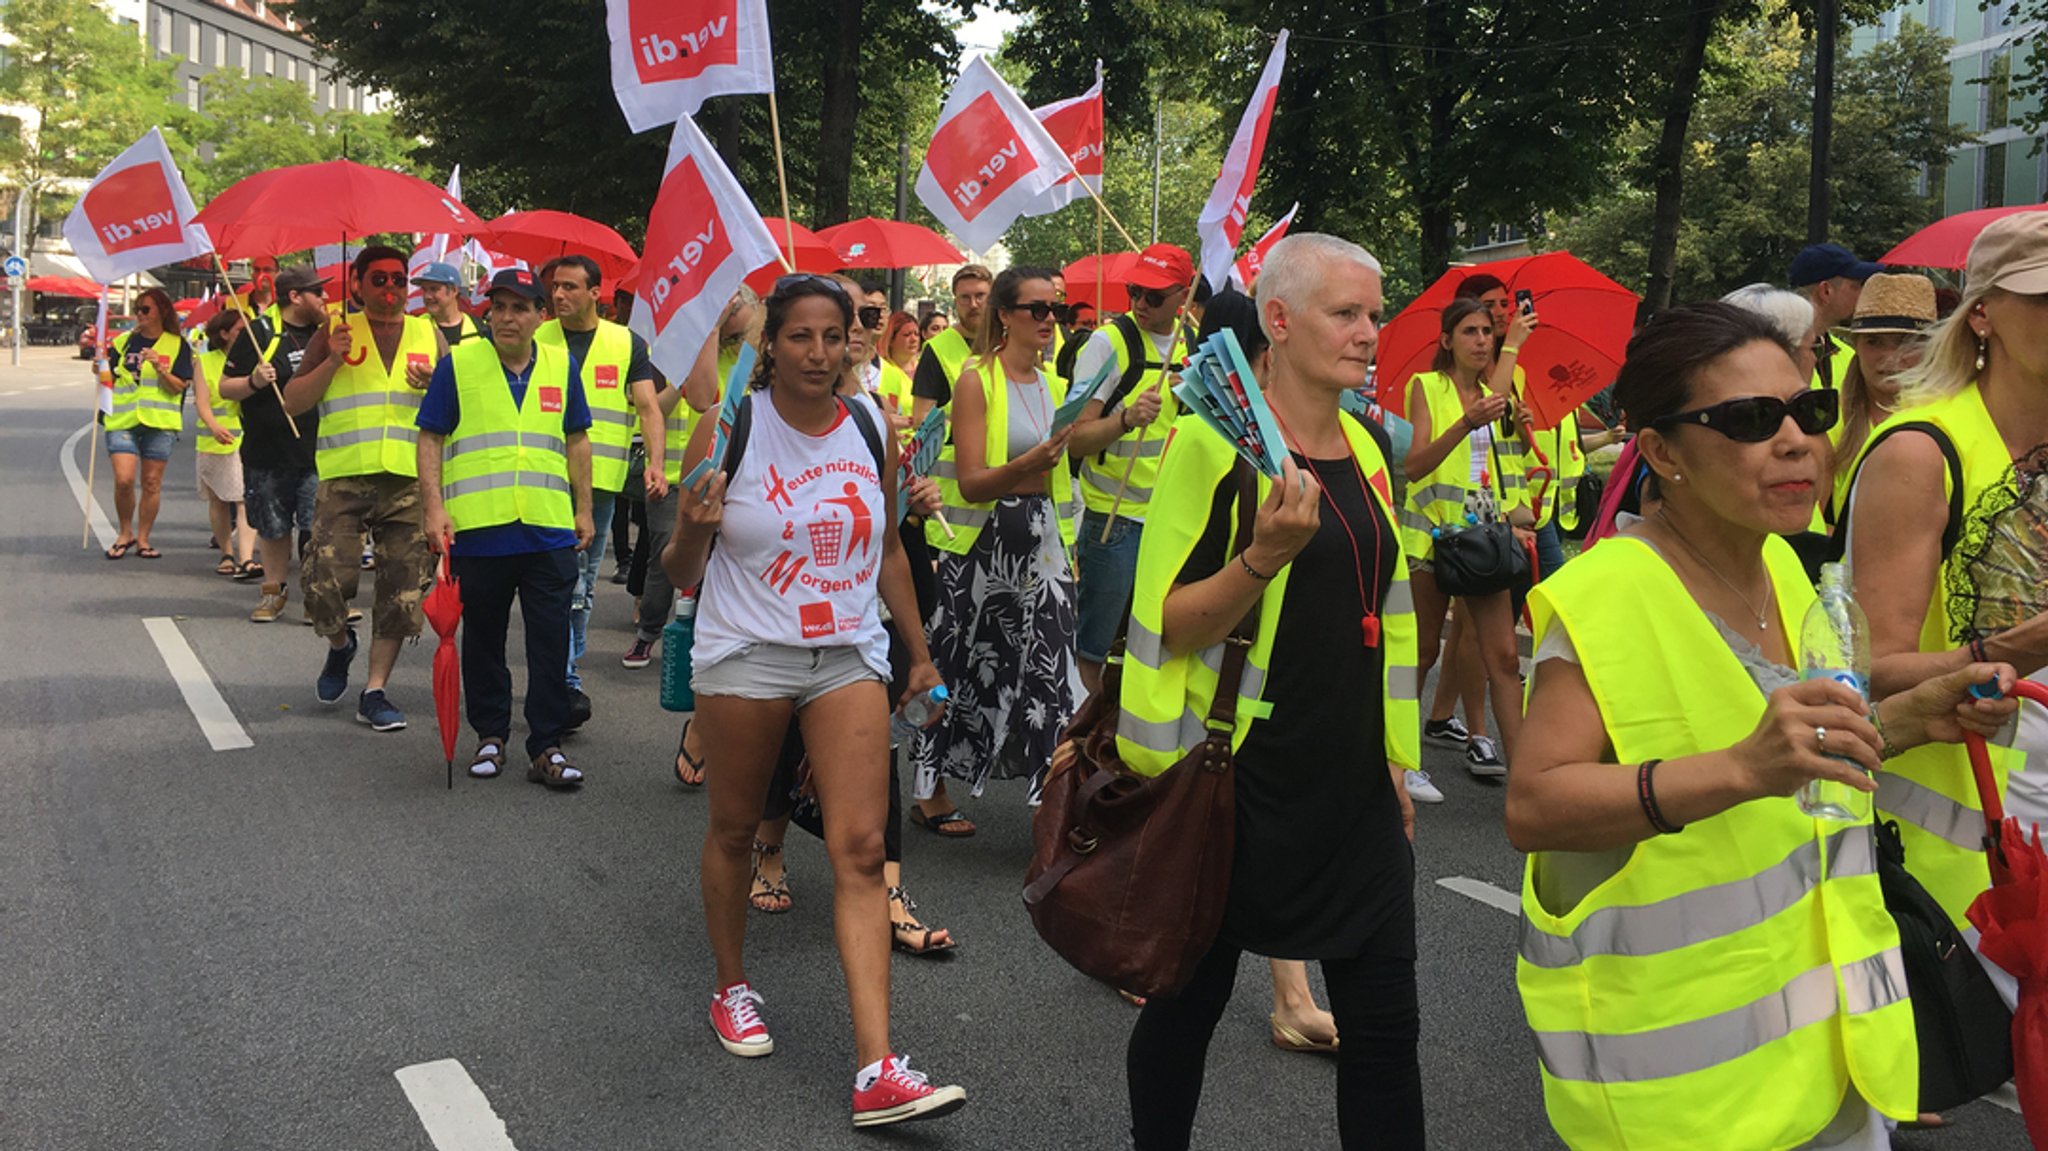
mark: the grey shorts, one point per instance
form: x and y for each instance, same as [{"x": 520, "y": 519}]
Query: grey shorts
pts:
[{"x": 780, "y": 671}]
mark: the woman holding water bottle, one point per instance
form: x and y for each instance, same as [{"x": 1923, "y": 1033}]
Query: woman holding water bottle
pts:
[{"x": 1703, "y": 962}]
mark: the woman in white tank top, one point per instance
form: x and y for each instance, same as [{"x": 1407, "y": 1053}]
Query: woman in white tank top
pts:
[{"x": 788, "y": 623}]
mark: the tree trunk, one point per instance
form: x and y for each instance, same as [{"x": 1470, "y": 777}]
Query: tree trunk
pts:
[
  {"x": 1436, "y": 188},
  {"x": 1667, "y": 163},
  {"x": 833, "y": 183}
]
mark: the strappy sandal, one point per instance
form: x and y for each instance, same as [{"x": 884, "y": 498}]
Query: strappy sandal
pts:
[
  {"x": 776, "y": 894},
  {"x": 912, "y": 937},
  {"x": 1288, "y": 1039},
  {"x": 248, "y": 570},
  {"x": 489, "y": 760},
  {"x": 226, "y": 567},
  {"x": 687, "y": 763},
  {"x": 554, "y": 770},
  {"x": 951, "y": 825}
]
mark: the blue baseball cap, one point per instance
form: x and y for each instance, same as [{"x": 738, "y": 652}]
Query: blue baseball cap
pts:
[
  {"x": 438, "y": 274},
  {"x": 1818, "y": 262}
]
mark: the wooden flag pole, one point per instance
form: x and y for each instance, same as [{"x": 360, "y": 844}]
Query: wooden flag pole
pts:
[
  {"x": 1099, "y": 204},
  {"x": 788, "y": 258},
  {"x": 249, "y": 331},
  {"x": 92, "y": 448},
  {"x": 1166, "y": 363}
]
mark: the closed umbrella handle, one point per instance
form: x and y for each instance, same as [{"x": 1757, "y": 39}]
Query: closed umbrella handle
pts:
[{"x": 1987, "y": 780}]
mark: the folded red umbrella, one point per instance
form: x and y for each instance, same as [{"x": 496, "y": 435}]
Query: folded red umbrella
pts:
[
  {"x": 443, "y": 608},
  {"x": 872, "y": 242},
  {"x": 2012, "y": 919},
  {"x": 811, "y": 254},
  {"x": 544, "y": 234},
  {"x": 292, "y": 209},
  {"x": 1081, "y": 277},
  {"x": 1946, "y": 242},
  {"x": 1585, "y": 320}
]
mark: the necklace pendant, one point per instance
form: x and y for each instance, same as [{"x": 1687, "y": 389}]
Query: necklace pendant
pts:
[{"x": 1370, "y": 626}]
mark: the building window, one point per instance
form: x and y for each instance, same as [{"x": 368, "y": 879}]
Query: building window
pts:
[
  {"x": 1998, "y": 90},
  {"x": 192, "y": 92},
  {"x": 163, "y": 33},
  {"x": 291, "y": 68},
  {"x": 220, "y": 48},
  {"x": 1941, "y": 16},
  {"x": 269, "y": 62},
  {"x": 192, "y": 40},
  {"x": 1993, "y": 195}
]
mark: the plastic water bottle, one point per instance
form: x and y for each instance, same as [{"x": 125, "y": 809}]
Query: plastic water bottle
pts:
[
  {"x": 913, "y": 716},
  {"x": 676, "y": 640},
  {"x": 1834, "y": 643}
]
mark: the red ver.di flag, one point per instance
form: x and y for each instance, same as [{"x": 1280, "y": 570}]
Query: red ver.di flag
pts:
[
  {"x": 1221, "y": 224},
  {"x": 136, "y": 215},
  {"x": 989, "y": 160},
  {"x": 1246, "y": 270},
  {"x": 703, "y": 236},
  {"x": 669, "y": 56},
  {"x": 1076, "y": 124}
]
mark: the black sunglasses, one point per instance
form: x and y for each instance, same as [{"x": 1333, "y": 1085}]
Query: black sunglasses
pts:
[
  {"x": 1041, "y": 310},
  {"x": 1152, "y": 296},
  {"x": 797, "y": 279},
  {"x": 870, "y": 317},
  {"x": 1754, "y": 419},
  {"x": 386, "y": 279}
]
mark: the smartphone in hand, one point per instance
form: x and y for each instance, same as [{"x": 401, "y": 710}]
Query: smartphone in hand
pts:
[{"x": 1525, "y": 300}]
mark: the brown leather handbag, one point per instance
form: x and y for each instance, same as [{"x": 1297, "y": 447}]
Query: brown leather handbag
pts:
[{"x": 1129, "y": 874}]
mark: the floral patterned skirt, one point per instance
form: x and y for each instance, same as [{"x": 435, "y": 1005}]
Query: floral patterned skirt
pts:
[{"x": 1003, "y": 639}]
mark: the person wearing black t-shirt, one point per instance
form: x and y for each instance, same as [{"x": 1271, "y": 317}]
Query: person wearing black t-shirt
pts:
[
  {"x": 945, "y": 351},
  {"x": 278, "y": 475},
  {"x": 440, "y": 288}
]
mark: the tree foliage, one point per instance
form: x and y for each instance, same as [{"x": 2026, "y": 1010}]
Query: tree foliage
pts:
[{"x": 255, "y": 123}]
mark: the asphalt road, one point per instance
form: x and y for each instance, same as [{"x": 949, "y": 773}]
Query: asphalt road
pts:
[{"x": 242, "y": 949}]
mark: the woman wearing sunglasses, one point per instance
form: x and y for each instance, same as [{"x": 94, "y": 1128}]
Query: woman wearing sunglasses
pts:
[
  {"x": 1703, "y": 964},
  {"x": 152, "y": 367},
  {"x": 1923, "y": 532}
]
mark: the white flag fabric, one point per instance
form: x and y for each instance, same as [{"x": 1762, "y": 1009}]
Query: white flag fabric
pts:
[
  {"x": 433, "y": 249},
  {"x": 136, "y": 215},
  {"x": 989, "y": 160},
  {"x": 703, "y": 238},
  {"x": 101, "y": 352},
  {"x": 669, "y": 56},
  {"x": 1221, "y": 224},
  {"x": 1246, "y": 271},
  {"x": 1076, "y": 124}
]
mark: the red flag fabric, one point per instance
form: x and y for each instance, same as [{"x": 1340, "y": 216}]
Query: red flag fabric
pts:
[
  {"x": 136, "y": 215},
  {"x": 1246, "y": 270},
  {"x": 703, "y": 236},
  {"x": 669, "y": 56},
  {"x": 1076, "y": 124},
  {"x": 1221, "y": 224},
  {"x": 989, "y": 160}
]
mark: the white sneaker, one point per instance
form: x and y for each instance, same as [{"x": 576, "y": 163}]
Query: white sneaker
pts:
[
  {"x": 1420, "y": 789},
  {"x": 1482, "y": 758}
]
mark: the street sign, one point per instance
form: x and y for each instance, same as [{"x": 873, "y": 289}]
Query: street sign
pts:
[
  {"x": 13, "y": 281},
  {"x": 15, "y": 267}
]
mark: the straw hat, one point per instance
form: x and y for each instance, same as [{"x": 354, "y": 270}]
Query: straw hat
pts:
[{"x": 1894, "y": 303}]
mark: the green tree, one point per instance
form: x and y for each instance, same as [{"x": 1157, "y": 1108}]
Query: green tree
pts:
[{"x": 255, "y": 123}]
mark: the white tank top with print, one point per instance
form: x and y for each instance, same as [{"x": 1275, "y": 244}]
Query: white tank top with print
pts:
[{"x": 799, "y": 554}]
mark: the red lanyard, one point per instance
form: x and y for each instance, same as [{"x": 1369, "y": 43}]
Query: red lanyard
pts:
[{"x": 1369, "y": 623}]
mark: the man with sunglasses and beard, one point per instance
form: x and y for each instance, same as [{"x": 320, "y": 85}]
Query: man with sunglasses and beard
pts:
[
  {"x": 366, "y": 373},
  {"x": 1117, "y": 445}
]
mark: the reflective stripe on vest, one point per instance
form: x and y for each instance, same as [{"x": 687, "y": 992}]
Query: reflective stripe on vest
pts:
[
  {"x": 1104, "y": 474},
  {"x": 610, "y": 399},
  {"x": 502, "y": 464},
  {"x": 1727, "y": 986},
  {"x": 1166, "y": 696},
  {"x": 967, "y": 518},
  {"x": 1930, "y": 790},
  {"x": 138, "y": 400},
  {"x": 368, "y": 418},
  {"x": 227, "y": 413},
  {"x": 1438, "y": 498}
]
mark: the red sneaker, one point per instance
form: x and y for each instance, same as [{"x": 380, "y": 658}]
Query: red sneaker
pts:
[
  {"x": 736, "y": 1017},
  {"x": 902, "y": 1095}
]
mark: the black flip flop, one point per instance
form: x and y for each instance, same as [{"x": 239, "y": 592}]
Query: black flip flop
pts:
[
  {"x": 120, "y": 550},
  {"x": 696, "y": 765},
  {"x": 149, "y": 553}
]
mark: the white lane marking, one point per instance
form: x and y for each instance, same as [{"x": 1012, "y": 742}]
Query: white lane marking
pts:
[
  {"x": 101, "y": 525},
  {"x": 216, "y": 720},
  {"x": 452, "y": 1107},
  {"x": 1484, "y": 892},
  {"x": 2007, "y": 1097}
]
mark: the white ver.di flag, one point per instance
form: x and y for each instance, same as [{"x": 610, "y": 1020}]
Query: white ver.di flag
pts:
[
  {"x": 669, "y": 56},
  {"x": 1221, "y": 224},
  {"x": 989, "y": 159},
  {"x": 135, "y": 215}
]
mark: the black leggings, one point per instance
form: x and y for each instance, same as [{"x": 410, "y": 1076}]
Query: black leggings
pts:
[{"x": 1379, "y": 1069}]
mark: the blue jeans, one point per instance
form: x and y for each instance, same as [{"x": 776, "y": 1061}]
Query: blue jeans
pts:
[
  {"x": 587, "y": 562},
  {"x": 1108, "y": 571},
  {"x": 149, "y": 443}
]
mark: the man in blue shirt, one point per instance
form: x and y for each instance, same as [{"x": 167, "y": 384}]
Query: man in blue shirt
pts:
[{"x": 505, "y": 487}]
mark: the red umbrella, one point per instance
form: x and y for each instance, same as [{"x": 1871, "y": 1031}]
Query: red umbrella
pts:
[
  {"x": 1586, "y": 322},
  {"x": 871, "y": 242},
  {"x": 2013, "y": 919},
  {"x": 64, "y": 286},
  {"x": 1115, "y": 268},
  {"x": 812, "y": 254},
  {"x": 543, "y": 234},
  {"x": 291, "y": 209},
  {"x": 443, "y": 608},
  {"x": 200, "y": 311},
  {"x": 1946, "y": 242}
]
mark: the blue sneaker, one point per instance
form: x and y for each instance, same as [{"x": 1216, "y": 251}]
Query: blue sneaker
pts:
[
  {"x": 333, "y": 682},
  {"x": 377, "y": 711}
]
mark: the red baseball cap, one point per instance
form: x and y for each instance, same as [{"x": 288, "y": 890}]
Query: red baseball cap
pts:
[{"x": 1162, "y": 268}]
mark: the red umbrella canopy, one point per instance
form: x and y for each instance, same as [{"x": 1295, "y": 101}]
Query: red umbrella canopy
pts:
[
  {"x": 1586, "y": 320},
  {"x": 812, "y": 254},
  {"x": 1081, "y": 281},
  {"x": 1946, "y": 242},
  {"x": 292, "y": 209},
  {"x": 64, "y": 286},
  {"x": 200, "y": 311},
  {"x": 871, "y": 242},
  {"x": 543, "y": 234}
]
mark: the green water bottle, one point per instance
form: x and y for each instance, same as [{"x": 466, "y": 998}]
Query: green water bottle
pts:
[{"x": 676, "y": 640}]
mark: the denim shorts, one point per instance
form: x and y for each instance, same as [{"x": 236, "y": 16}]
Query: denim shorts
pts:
[
  {"x": 782, "y": 671},
  {"x": 149, "y": 443},
  {"x": 279, "y": 499},
  {"x": 1107, "y": 573}
]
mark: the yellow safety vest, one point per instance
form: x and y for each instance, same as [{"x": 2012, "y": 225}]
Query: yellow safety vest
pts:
[
  {"x": 471, "y": 330},
  {"x": 1567, "y": 465},
  {"x": 503, "y": 464},
  {"x": 369, "y": 419},
  {"x": 682, "y": 421},
  {"x": 950, "y": 347},
  {"x": 1930, "y": 790},
  {"x": 1437, "y": 500},
  {"x": 1102, "y": 474},
  {"x": 1166, "y": 695},
  {"x": 895, "y": 385},
  {"x": 1728, "y": 984},
  {"x": 227, "y": 413},
  {"x": 1837, "y": 366},
  {"x": 139, "y": 400},
  {"x": 966, "y": 518},
  {"x": 612, "y": 414}
]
